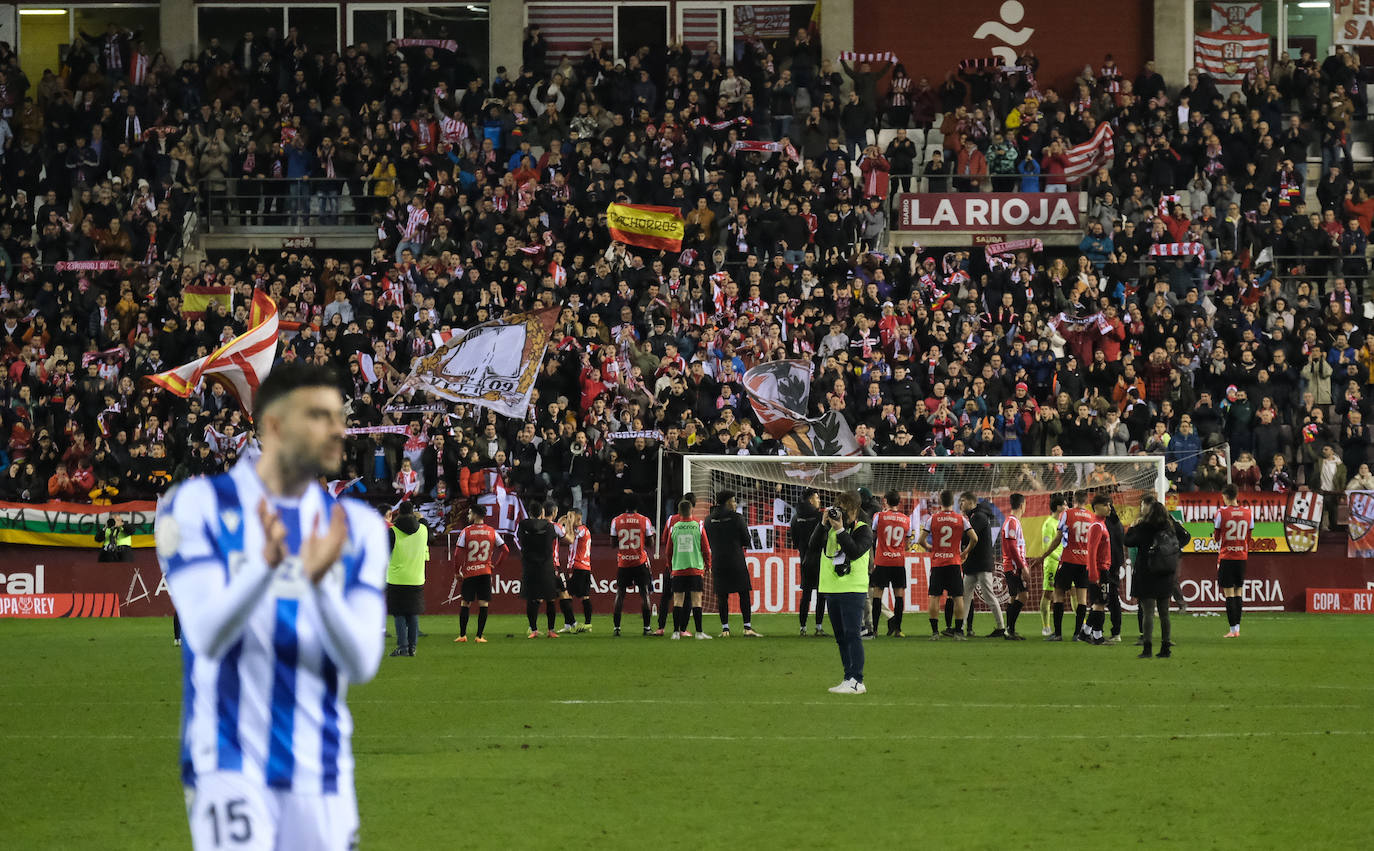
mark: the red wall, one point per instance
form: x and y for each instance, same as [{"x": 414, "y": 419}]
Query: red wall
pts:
[{"x": 931, "y": 37}]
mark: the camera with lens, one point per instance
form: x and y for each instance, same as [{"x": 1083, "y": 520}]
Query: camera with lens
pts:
[{"x": 833, "y": 513}]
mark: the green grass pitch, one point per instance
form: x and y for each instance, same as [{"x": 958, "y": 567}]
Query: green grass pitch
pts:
[{"x": 593, "y": 742}]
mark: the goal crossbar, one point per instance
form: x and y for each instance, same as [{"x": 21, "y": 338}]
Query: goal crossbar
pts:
[{"x": 824, "y": 482}]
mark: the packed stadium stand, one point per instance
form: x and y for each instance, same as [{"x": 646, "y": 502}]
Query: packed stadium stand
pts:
[{"x": 1212, "y": 306}]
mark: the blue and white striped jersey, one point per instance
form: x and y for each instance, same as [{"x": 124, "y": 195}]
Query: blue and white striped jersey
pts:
[{"x": 266, "y": 653}]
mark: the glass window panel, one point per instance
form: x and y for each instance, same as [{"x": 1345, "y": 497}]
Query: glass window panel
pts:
[
  {"x": 374, "y": 26},
  {"x": 1308, "y": 29},
  {"x": 318, "y": 26},
  {"x": 142, "y": 20},
  {"x": 43, "y": 40},
  {"x": 772, "y": 25},
  {"x": 467, "y": 24},
  {"x": 230, "y": 23}
]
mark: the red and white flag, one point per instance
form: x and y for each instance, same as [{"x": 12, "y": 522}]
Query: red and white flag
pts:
[
  {"x": 1231, "y": 57},
  {"x": 503, "y": 507},
  {"x": 443, "y": 336},
  {"x": 1086, "y": 158},
  {"x": 138, "y": 68},
  {"x": 242, "y": 363},
  {"x": 338, "y": 486},
  {"x": 367, "y": 367}
]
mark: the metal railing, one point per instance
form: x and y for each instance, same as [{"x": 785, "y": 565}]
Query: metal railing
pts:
[{"x": 288, "y": 205}]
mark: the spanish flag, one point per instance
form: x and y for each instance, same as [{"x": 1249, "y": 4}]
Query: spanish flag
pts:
[
  {"x": 646, "y": 226},
  {"x": 195, "y": 300}
]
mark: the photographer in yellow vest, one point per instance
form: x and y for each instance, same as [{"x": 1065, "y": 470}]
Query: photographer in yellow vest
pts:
[
  {"x": 845, "y": 543},
  {"x": 405, "y": 576}
]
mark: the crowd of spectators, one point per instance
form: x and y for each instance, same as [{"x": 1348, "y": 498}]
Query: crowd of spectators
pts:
[{"x": 489, "y": 198}]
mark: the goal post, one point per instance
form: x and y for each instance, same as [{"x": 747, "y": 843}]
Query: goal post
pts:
[{"x": 768, "y": 488}]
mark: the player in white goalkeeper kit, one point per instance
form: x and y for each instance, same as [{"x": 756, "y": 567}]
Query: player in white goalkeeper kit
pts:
[{"x": 279, "y": 589}]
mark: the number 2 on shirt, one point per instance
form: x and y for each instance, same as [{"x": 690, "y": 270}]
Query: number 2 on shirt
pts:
[{"x": 946, "y": 537}]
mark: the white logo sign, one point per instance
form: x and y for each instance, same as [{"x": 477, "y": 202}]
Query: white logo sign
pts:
[{"x": 1011, "y": 13}]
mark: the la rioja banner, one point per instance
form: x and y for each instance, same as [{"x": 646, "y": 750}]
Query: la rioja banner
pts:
[{"x": 988, "y": 211}]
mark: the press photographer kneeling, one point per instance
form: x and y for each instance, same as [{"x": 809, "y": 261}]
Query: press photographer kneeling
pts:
[{"x": 845, "y": 543}]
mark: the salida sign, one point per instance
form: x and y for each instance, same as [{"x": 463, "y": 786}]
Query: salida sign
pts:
[{"x": 1003, "y": 211}]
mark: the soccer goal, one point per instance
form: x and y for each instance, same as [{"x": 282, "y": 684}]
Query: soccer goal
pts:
[{"x": 768, "y": 488}]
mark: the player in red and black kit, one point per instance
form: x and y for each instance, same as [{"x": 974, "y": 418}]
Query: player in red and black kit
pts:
[
  {"x": 892, "y": 534},
  {"x": 580, "y": 560},
  {"x": 1099, "y": 569},
  {"x": 1015, "y": 571},
  {"x": 1235, "y": 525},
  {"x": 631, "y": 533},
  {"x": 479, "y": 549},
  {"x": 563, "y": 532},
  {"x": 1073, "y": 532},
  {"x": 944, "y": 534}
]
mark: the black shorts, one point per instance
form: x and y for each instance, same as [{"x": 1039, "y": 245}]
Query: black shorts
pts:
[
  {"x": 1099, "y": 593},
  {"x": 627, "y": 577},
  {"x": 580, "y": 583},
  {"x": 475, "y": 588},
  {"x": 810, "y": 576},
  {"x": 1014, "y": 584},
  {"x": 560, "y": 583},
  {"x": 732, "y": 580},
  {"x": 1070, "y": 576},
  {"x": 685, "y": 582},
  {"x": 888, "y": 576},
  {"x": 1231, "y": 572},
  {"x": 947, "y": 579}
]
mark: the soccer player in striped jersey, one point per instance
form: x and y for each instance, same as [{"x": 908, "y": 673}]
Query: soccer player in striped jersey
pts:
[
  {"x": 1015, "y": 571},
  {"x": 1099, "y": 564},
  {"x": 632, "y": 533},
  {"x": 1049, "y": 562},
  {"x": 1072, "y": 575},
  {"x": 481, "y": 549},
  {"x": 944, "y": 534},
  {"x": 892, "y": 531},
  {"x": 691, "y": 556},
  {"x": 580, "y": 560},
  {"x": 279, "y": 590},
  {"x": 1234, "y": 526}
]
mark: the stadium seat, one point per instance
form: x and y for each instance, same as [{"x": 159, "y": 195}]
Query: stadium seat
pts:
[{"x": 885, "y": 137}]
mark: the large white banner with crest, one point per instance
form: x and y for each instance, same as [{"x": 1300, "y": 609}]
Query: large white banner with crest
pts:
[{"x": 493, "y": 365}]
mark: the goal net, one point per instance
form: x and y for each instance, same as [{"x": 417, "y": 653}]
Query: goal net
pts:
[{"x": 769, "y": 488}]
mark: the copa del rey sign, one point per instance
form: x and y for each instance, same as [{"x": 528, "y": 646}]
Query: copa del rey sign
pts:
[{"x": 997, "y": 211}]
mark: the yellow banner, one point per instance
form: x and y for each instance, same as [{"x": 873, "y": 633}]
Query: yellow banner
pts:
[{"x": 646, "y": 226}]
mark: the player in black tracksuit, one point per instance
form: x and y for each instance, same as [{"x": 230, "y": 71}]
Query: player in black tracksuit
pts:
[
  {"x": 728, "y": 535},
  {"x": 804, "y": 524}
]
